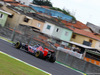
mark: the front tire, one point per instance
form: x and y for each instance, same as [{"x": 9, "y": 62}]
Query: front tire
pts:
[{"x": 18, "y": 45}]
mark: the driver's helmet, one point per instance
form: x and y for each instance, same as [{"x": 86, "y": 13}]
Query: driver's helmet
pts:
[{"x": 37, "y": 45}]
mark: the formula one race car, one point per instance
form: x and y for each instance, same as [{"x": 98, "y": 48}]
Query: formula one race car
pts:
[{"x": 37, "y": 51}]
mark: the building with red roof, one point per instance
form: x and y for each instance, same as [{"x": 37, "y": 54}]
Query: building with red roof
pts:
[
  {"x": 85, "y": 33},
  {"x": 85, "y": 37},
  {"x": 15, "y": 3},
  {"x": 25, "y": 2},
  {"x": 8, "y": 0},
  {"x": 77, "y": 24}
]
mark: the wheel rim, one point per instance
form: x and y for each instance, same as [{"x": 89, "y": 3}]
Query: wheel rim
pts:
[
  {"x": 17, "y": 44},
  {"x": 37, "y": 54}
]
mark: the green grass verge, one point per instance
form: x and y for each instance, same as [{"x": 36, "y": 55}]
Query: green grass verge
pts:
[
  {"x": 10, "y": 66},
  {"x": 71, "y": 68},
  {"x": 6, "y": 39}
]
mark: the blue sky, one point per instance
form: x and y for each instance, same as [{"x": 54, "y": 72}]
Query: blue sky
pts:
[{"x": 84, "y": 10}]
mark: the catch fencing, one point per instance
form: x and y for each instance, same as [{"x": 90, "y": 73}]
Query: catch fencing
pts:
[{"x": 71, "y": 52}]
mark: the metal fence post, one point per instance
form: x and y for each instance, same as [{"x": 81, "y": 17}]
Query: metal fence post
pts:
[
  {"x": 13, "y": 34},
  {"x": 66, "y": 58},
  {"x": 84, "y": 66},
  {"x": 57, "y": 53}
]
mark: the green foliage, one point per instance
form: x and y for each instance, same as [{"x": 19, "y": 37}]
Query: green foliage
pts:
[
  {"x": 63, "y": 11},
  {"x": 42, "y": 2},
  {"x": 55, "y": 8}
]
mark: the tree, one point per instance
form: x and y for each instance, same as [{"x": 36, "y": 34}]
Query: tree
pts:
[{"x": 42, "y": 2}]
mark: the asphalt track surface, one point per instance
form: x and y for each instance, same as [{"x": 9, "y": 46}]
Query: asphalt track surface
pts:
[{"x": 53, "y": 68}]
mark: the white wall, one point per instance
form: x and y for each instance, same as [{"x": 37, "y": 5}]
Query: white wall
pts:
[
  {"x": 1, "y": 2},
  {"x": 47, "y": 31},
  {"x": 27, "y": 2},
  {"x": 97, "y": 46}
]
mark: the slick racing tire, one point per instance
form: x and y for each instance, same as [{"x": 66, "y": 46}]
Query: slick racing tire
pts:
[
  {"x": 52, "y": 59},
  {"x": 39, "y": 54},
  {"x": 18, "y": 45}
]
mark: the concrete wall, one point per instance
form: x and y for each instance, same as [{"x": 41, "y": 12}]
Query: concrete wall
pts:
[
  {"x": 5, "y": 32},
  {"x": 77, "y": 63}
]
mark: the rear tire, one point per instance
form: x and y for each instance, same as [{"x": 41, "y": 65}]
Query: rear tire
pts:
[
  {"x": 18, "y": 45},
  {"x": 39, "y": 54},
  {"x": 52, "y": 59}
]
